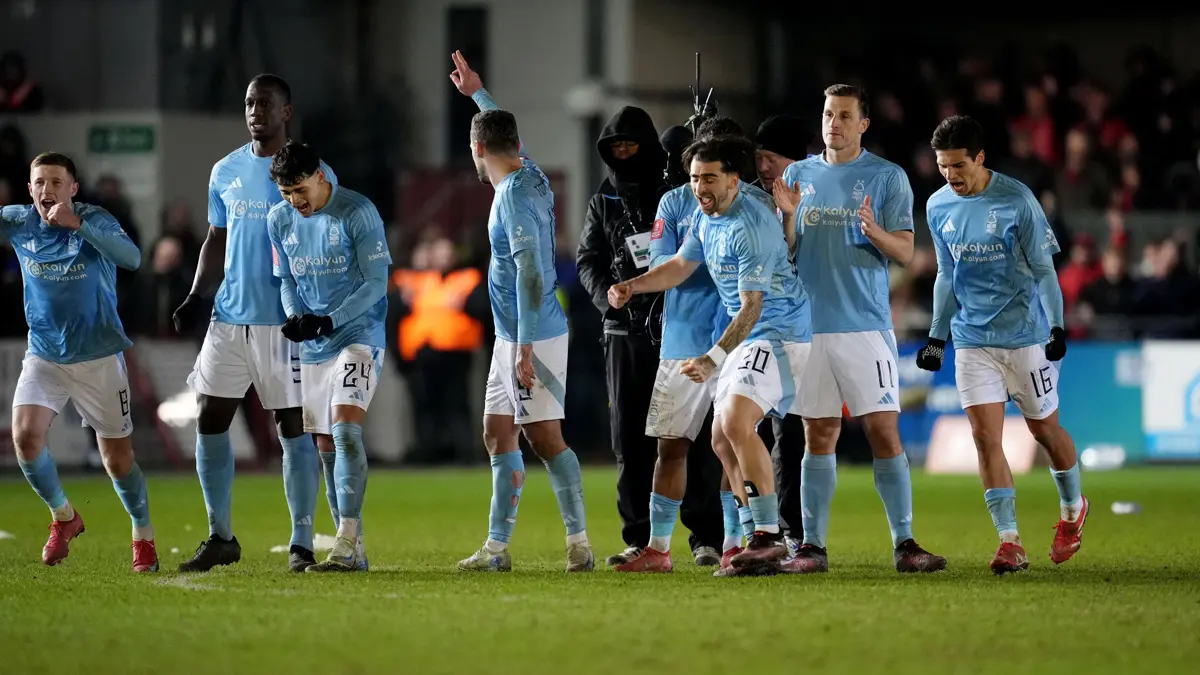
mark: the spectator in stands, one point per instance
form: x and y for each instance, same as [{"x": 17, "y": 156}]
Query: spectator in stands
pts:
[
  {"x": 1081, "y": 183},
  {"x": 173, "y": 265},
  {"x": 1173, "y": 292},
  {"x": 1082, "y": 270},
  {"x": 1049, "y": 202},
  {"x": 1038, "y": 124},
  {"x": 1104, "y": 130},
  {"x": 18, "y": 92},
  {"x": 1025, "y": 166},
  {"x": 925, "y": 178},
  {"x": 14, "y": 163},
  {"x": 1106, "y": 304},
  {"x": 443, "y": 307}
]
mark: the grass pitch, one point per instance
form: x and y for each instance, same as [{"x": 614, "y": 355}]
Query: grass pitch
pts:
[{"x": 1128, "y": 602}]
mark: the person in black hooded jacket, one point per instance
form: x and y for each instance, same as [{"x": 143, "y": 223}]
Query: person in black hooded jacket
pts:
[{"x": 614, "y": 246}]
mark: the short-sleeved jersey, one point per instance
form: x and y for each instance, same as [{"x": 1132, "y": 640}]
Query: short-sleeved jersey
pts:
[
  {"x": 70, "y": 287},
  {"x": 240, "y": 193},
  {"x": 846, "y": 276},
  {"x": 329, "y": 254},
  {"x": 522, "y": 218},
  {"x": 692, "y": 311},
  {"x": 744, "y": 250},
  {"x": 988, "y": 242}
]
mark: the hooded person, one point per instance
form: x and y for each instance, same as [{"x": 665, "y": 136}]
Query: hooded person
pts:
[
  {"x": 615, "y": 246},
  {"x": 780, "y": 141}
]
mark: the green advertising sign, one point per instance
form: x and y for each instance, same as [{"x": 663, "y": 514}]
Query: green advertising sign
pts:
[{"x": 121, "y": 138}]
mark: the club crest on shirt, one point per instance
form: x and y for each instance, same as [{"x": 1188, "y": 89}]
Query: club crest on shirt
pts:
[
  {"x": 335, "y": 236},
  {"x": 859, "y": 190},
  {"x": 991, "y": 222}
]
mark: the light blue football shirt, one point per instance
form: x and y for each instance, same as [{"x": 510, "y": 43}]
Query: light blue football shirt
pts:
[
  {"x": 521, "y": 219},
  {"x": 70, "y": 282},
  {"x": 692, "y": 311},
  {"x": 240, "y": 193},
  {"x": 846, "y": 276},
  {"x": 329, "y": 255},
  {"x": 744, "y": 250},
  {"x": 995, "y": 245}
]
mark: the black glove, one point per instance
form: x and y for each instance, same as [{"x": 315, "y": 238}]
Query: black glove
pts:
[
  {"x": 1056, "y": 348},
  {"x": 313, "y": 326},
  {"x": 931, "y": 355},
  {"x": 291, "y": 329},
  {"x": 187, "y": 314}
]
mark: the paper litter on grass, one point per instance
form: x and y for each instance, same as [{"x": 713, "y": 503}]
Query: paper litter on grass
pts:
[
  {"x": 6, "y": 535},
  {"x": 321, "y": 542}
]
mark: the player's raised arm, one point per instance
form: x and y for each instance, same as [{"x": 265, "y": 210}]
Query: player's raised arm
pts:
[
  {"x": 787, "y": 200},
  {"x": 890, "y": 230},
  {"x": 1038, "y": 245},
  {"x": 101, "y": 230},
  {"x": 469, "y": 83},
  {"x": 372, "y": 258}
]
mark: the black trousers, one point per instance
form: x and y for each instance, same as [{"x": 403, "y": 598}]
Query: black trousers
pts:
[
  {"x": 631, "y": 363},
  {"x": 785, "y": 440}
]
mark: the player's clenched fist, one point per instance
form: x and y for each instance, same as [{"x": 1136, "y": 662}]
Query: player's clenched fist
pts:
[
  {"x": 63, "y": 214},
  {"x": 931, "y": 355},
  {"x": 619, "y": 294},
  {"x": 698, "y": 369}
]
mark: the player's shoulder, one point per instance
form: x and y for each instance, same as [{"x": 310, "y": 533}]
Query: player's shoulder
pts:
[
  {"x": 280, "y": 214},
  {"x": 679, "y": 197},
  {"x": 757, "y": 194},
  {"x": 753, "y": 211},
  {"x": 357, "y": 204},
  {"x": 941, "y": 198},
  {"x": 229, "y": 163},
  {"x": 93, "y": 213},
  {"x": 883, "y": 167},
  {"x": 803, "y": 167},
  {"x": 1010, "y": 189},
  {"x": 14, "y": 214}
]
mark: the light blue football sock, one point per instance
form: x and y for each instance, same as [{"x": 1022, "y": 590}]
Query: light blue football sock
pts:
[
  {"x": 894, "y": 484},
  {"x": 301, "y": 479},
  {"x": 733, "y": 523},
  {"x": 566, "y": 480},
  {"x": 818, "y": 482},
  {"x": 328, "y": 463},
  {"x": 508, "y": 476},
  {"x": 1067, "y": 483},
  {"x": 1002, "y": 504},
  {"x": 765, "y": 511},
  {"x": 42, "y": 475},
  {"x": 214, "y": 464},
  {"x": 350, "y": 472},
  {"x": 746, "y": 517},
  {"x": 663, "y": 512},
  {"x": 131, "y": 488}
]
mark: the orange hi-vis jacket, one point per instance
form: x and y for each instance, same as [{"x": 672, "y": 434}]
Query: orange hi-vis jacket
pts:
[{"x": 437, "y": 319}]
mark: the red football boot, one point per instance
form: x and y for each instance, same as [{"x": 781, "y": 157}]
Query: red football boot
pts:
[
  {"x": 648, "y": 560},
  {"x": 145, "y": 558},
  {"x": 1068, "y": 536},
  {"x": 1010, "y": 557},
  {"x": 59, "y": 544}
]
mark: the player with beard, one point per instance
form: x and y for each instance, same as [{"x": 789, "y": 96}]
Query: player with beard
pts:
[
  {"x": 766, "y": 341},
  {"x": 528, "y": 376}
]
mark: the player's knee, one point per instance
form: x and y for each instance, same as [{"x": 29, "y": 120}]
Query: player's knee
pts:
[
  {"x": 1046, "y": 432},
  {"x": 821, "y": 434},
  {"x": 28, "y": 440},
  {"x": 325, "y": 443},
  {"x": 117, "y": 454},
  {"x": 290, "y": 422},
  {"x": 545, "y": 438},
  {"x": 673, "y": 449},
  {"x": 216, "y": 414},
  {"x": 737, "y": 428},
  {"x": 883, "y": 434},
  {"x": 986, "y": 438}
]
